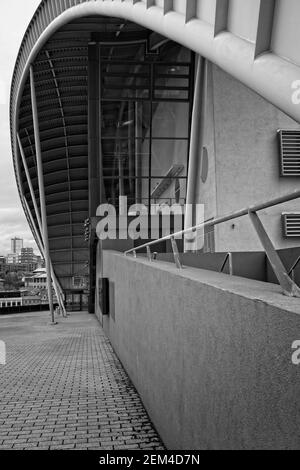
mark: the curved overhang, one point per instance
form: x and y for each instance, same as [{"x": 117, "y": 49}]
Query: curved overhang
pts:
[{"x": 266, "y": 73}]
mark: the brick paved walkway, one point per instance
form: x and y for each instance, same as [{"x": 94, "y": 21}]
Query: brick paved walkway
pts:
[{"x": 64, "y": 388}]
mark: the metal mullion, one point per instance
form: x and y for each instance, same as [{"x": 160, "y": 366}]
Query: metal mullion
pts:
[
  {"x": 121, "y": 99},
  {"x": 172, "y": 88},
  {"x": 152, "y": 84},
  {"x": 109, "y": 178},
  {"x": 125, "y": 74},
  {"x": 125, "y": 87},
  {"x": 171, "y": 138},
  {"x": 171, "y": 100},
  {"x": 168, "y": 75},
  {"x": 191, "y": 104}
]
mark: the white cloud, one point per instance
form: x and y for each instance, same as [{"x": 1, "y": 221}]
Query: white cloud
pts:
[
  {"x": 3, "y": 92},
  {"x": 13, "y": 24}
]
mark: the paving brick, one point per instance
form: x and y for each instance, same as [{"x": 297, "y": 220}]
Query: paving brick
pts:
[{"x": 67, "y": 389}]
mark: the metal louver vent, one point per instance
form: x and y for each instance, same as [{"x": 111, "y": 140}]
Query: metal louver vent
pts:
[
  {"x": 291, "y": 224},
  {"x": 290, "y": 152}
]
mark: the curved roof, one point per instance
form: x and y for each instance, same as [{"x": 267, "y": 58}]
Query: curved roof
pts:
[
  {"x": 56, "y": 43},
  {"x": 61, "y": 83}
]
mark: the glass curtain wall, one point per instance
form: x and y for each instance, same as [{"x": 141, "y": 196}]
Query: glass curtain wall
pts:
[{"x": 146, "y": 112}]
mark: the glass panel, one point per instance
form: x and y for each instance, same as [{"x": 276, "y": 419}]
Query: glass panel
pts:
[
  {"x": 134, "y": 156},
  {"x": 116, "y": 187},
  {"x": 130, "y": 120},
  {"x": 125, "y": 80},
  {"x": 123, "y": 120},
  {"x": 169, "y": 81},
  {"x": 118, "y": 92},
  {"x": 121, "y": 52},
  {"x": 168, "y": 191},
  {"x": 170, "y": 120},
  {"x": 168, "y": 94},
  {"x": 169, "y": 156},
  {"x": 170, "y": 70},
  {"x": 174, "y": 52}
]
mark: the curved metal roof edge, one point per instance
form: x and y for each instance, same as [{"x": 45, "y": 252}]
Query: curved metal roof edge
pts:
[{"x": 269, "y": 75}]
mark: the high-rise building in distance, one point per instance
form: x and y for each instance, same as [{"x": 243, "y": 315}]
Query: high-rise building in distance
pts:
[
  {"x": 16, "y": 245},
  {"x": 27, "y": 256}
]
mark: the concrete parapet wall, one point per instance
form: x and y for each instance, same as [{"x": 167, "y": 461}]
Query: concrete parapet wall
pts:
[{"x": 209, "y": 354}]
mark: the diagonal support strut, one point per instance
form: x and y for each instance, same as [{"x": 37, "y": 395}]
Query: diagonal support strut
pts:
[{"x": 288, "y": 285}]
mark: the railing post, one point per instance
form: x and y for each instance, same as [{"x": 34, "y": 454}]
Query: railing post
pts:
[
  {"x": 230, "y": 264},
  {"x": 149, "y": 254},
  {"x": 292, "y": 270},
  {"x": 176, "y": 253},
  {"x": 289, "y": 287}
]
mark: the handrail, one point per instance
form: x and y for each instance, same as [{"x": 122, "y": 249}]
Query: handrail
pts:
[
  {"x": 220, "y": 220},
  {"x": 289, "y": 287}
]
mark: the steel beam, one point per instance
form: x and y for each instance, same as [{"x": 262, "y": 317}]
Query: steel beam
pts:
[
  {"x": 96, "y": 189},
  {"x": 138, "y": 151},
  {"x": 41, "y": 191},
  {"x": 57, "y": 288}
]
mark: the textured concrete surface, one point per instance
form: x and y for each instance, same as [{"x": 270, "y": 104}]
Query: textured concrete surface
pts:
[
  {"x": 63, "y": 388},
  {"x": 240, "y": 135},
  {"x": 210, "y": 354}
]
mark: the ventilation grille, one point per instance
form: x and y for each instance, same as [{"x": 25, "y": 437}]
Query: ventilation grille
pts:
[
  {"x": 290, "y": 152},
  {"x": 291, "y": 225}
]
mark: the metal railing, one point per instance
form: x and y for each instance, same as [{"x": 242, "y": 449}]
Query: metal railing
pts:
[
  {"x": 287, "y": 283},
  {"x": 292, "y": 270}
]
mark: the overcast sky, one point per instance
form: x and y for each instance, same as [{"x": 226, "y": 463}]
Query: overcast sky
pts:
[{"x": 15, "y": 16}]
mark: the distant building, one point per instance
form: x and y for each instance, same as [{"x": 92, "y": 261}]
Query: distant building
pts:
[
  {"x": 36, "y": 280},
  {"x": 40, "y": 262},
  {"x": 17, "y": 268},
  {"x": 12, "y": 299},
  {"x": 27, "y": 256},
  {"x": 36, "y": 283},
  {"x": 16, "y": 245},
  {"x": 12, "y": 258},
  {"x": 2, "y": 282}
]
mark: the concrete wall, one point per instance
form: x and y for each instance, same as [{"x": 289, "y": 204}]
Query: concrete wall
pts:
[
  {"x": 244, "y": 162},
  {"x": 209, "y": 354}
]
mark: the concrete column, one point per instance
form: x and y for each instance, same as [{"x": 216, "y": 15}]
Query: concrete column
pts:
[
  {"x": 195, "y": 152},
  {"x": 41, "y": 191}
]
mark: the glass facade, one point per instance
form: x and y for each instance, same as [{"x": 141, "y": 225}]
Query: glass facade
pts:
[{"x": 146, "y": 112}]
